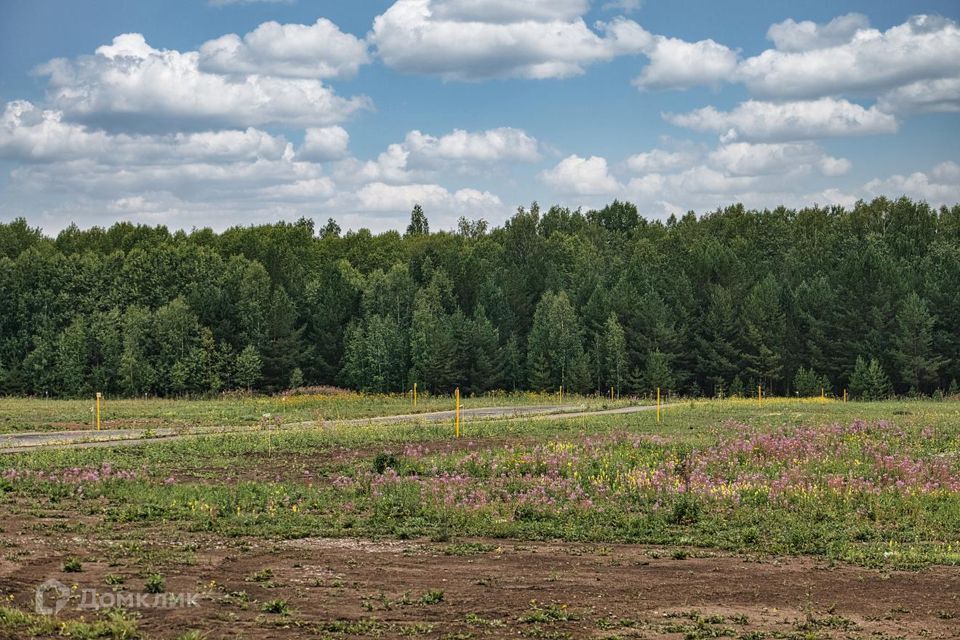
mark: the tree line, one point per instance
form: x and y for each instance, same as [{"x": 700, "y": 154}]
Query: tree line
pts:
[{"x": 865, "y": 299}]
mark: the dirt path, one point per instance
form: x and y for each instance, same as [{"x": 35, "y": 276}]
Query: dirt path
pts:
[
  {"x": 492, "y": 588},
  {"x": 28, "y": 441}
]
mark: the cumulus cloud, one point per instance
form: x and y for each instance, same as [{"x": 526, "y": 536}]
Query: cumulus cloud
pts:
[
  {"x": 807, "y": 35},
  {"x": 659, "y": 160},
  {"x": 507, "y": 11},
  {"x": 627, "y": 6},
  {"x": 319, "y": 50},
  {"x": 129, "y": 84},
  {"x": 420, "y": 155},
  {"x": 923, "y": 96},
  {"x": 849, "y": 58},
  {"x": 783, "y": 121},
  {"x": 492, "y": 145},
  {"x": 939, "y": 186},
  {"x": 378, "y": 196},
  {"x": 321, "y": 144},
  {"x": 676, "y": 64},
  {"x": 745, "y": 159},
  {"x": 473, "y": 40},
  {"x": 581, "y": 176},
  {"x": 31, "y": 134}
]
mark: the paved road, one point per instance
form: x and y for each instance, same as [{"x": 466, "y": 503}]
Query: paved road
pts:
[{"x": 27, "y": 441}]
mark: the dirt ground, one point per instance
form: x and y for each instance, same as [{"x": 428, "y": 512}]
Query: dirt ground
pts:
[{"x": 472, "y": 588}]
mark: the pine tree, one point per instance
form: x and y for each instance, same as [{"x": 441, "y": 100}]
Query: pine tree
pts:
[
  {"x": 913, "y": 351},
  {"x": 869, "y": 381},
  {"x": 283, "y": 348},
  {"x": 657, "y": 373},
  {"x": 485, "y": 369},
  {"x": 807, "y": 383},
  {"x": 736, "y": 387},
  {"x": 514, "y": 375},
  {"x": 433, "y": 344},
  {"x": 296, "y": 379},
  {"x": 764, "y": 328},
  {"x": 717, "y": 356}
]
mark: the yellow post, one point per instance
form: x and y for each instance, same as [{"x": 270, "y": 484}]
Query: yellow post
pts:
[
  {"x": 457, "y": 394},
  {"x": 658, "y": 405},
  {"x": 414, "y": 394},
  {"x": 823, "y": 398},
  {"x": 759, "y": 396},
  {"x": 99, "y": 395},
  {"x": 844, "y": 395}
]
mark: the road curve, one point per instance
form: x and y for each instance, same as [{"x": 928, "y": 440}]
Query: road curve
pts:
[{"x": 36, "y": 440}]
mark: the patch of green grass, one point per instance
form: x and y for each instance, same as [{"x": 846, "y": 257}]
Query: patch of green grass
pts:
[
  {"x": 112, "y": 624},
  {"x": 467, "y": 548},
  {"x": 541, "y": 612},
  {"x": 342, "y": 495},
  {"x": 72, "y": 565},
  {"x": 154, "y": 583},
  {"x": 434, "y": 596},
  {"x": 279, "y": 607}
]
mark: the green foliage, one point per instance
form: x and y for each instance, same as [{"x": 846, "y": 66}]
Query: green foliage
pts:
[
  {"x": 155, "y": 583},
  {"x": 135, "y": 310},
  {"x": 807, "y": 383},
  {"x": 555, "y": 356},
  {"x": 869, "y": 381},
  {"x": 248, "y": 367}
]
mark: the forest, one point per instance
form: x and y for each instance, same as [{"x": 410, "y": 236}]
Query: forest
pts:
[{"x": 865, "y": 299}]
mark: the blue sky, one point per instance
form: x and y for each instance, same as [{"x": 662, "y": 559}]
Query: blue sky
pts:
[{"x": 193, "y": 113}]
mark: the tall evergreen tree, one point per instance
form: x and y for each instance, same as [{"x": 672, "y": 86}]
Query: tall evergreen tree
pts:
[
  {"x": 764, "y": 325},
  {"x": 913, "y": 351}
]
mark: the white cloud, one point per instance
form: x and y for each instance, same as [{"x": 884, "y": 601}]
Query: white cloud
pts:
[
  {"x": 378, "y": 196},
  {"x": 28, "y": 133},
  {"x": 745, "y": 159},
  {"x": 131, "y": 85},
  {"x": 473, "y": 40},
  {"x": 627, "y": 6},
  {"x": 793, "y": 36},
  {"x": 923, "y": 96},
  {"x": 658, "y": 160},
  {"x": 865, "y": 61},
  {"x": 321, "y": 144},
  {"x": 492, "y": 145},
  {"x": 678, "y": 64},
  {"x": 319, "y": 50},
  {"x": 420, "y": 155},
  {"x": 507, "y": 11},
  {"x": 581, "y": 176},
  {"x": 939, "y": 186},
  {"x": 772, "y": 121}
]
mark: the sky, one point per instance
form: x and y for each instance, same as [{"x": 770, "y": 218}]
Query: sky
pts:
[{"x": 216, "y": 113}]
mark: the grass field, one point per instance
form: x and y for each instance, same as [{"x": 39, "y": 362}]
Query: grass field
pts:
[
  {"x": 867, "y": 488},
  {"x": 38, "y": 414}
]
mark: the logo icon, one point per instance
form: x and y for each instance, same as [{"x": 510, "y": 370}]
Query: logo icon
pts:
[{"x": 53, "y": 590}]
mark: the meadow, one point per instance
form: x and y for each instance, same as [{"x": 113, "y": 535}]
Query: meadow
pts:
[
  {"x": 53, "y": 414},
  {"x": 870, "y": 486}
]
